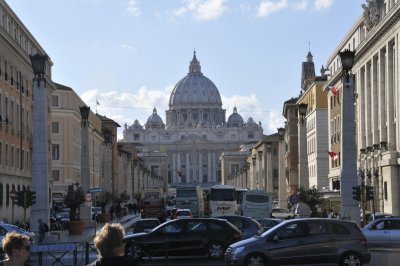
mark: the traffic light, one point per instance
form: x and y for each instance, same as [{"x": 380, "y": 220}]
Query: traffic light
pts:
[
  {"x": 369, "y": 193},
  {"x": 31, "y": 198},
  {"x": 357, "y": 193},
  {"x": 20, "y": 198}
]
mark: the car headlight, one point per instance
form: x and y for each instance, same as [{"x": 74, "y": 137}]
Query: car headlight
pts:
[{"x": 237, "y": 250}]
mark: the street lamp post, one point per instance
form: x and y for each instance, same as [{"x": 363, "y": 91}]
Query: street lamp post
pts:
[
  {"x": 85, "y": 209},
  {"x": 13, "y": 197},
  {"x": 40, "y": 160},
  {"x": 349, "y": 207}
]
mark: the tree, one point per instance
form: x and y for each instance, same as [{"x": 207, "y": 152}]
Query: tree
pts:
[
  {"x": 311, "y": 196},
  {"x": 103, "y": 199},
  {"x": 73, "y": 200}
]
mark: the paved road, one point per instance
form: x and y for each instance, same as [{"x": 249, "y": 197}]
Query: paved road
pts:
[{"x": 380, "y": 257}]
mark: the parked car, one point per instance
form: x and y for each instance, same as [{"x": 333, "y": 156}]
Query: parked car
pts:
[
  {"x": 196, "y": 236},
  {"x": 145, "y": 225},
  {"x": 183, "y": 213},
  {"x": 377, "y": 216},
  {"x": 281, "y": 213},
  {"x": 248, "y": 226},
  {"x": 8, "y": 228},
  {"x": 383, "y": 232},
  {"x": 268, "y": 223},
  {"x": 303, "y": 241}
]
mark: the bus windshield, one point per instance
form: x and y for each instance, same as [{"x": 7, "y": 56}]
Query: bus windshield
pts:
[
  {"x": 257, "y": 198},
  {"x": 222, "y": 194}
]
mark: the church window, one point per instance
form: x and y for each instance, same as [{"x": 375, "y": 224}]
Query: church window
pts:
[
  {"x": 136, "y": 136},
  {"x": 204, "y": 137},
  {"x": 250, "y": 134},
  {"x": 233, "y": 136},
  {"x": 153, "y": 138},
  {"x": 182, "y": 137}
]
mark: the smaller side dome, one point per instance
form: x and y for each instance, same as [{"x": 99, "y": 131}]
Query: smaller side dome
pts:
[
  {"x": 155, "y": 121},
  {"x": 235, "y": 119}
]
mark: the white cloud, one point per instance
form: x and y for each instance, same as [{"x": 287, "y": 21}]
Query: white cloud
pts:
[
  {"x": 321, "y": 4},
  {"x": 126, "y": 107},
  {"x": 202, "y": 9},
  {"x": 301, "y": 5},
  {"x": 267, "y": 7},
  {"x": 133, "y": 8},
  {"x": 127, "y": 47}
]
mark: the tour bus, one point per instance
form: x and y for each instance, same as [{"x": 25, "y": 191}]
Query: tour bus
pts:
[
  {"x": 256, "y": 204},
  {"x": 192, "y": 198},
  {"x": 239, "y": 194},
  {"x": 222, "y": 200}
]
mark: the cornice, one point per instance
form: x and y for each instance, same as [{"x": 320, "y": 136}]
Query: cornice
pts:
[{"x": 376, "y": 34}]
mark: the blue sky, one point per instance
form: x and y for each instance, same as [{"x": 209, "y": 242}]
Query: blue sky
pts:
[{"x": 129, "y": 54}]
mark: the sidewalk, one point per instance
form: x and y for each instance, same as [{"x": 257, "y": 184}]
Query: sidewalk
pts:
[{"x": 89, "y": 233}]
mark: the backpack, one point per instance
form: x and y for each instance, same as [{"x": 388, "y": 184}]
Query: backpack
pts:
[{"x": 46, "y": 227}]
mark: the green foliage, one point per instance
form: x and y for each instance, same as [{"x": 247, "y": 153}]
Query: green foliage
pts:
[
  {"x": 73, "y": 200},
  {"x": 123, "y": 197},
  {"x": 103, "y": 199},
  {"x": 311, "y": 196}
]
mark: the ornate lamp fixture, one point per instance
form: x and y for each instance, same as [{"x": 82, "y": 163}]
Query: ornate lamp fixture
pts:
[
  {"x": 85, "y": 115},
  {"x": 302, "y": 107},
  {"x": 281, "y": 133}
]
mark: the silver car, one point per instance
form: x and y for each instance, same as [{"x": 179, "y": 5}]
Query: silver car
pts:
[
  {"x": 383, "y": 232},
  {"x": 303, "y": 241}
]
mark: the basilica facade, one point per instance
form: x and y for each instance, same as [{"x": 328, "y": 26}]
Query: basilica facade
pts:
[{"x": 189, "y": 144}]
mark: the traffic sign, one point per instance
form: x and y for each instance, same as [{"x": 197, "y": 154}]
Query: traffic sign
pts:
[
  {"x": 13, "y": 194},
  {"x": 88, "y": 196},
  {"x": 96, "y": 190}
]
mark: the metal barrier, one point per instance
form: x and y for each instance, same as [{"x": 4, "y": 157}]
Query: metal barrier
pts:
[
  {"x": 90, "y": 246},
  {"x": 57, "y": 251}
]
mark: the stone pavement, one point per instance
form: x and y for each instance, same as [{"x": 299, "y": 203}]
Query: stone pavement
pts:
[{"x": 88, "y": 233}]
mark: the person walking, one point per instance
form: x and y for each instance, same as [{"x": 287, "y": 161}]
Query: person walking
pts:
[
  {"x": 17, "y": 248},
  {"x": 42, "y": 230},
  {"x": 111, "y": 248}
]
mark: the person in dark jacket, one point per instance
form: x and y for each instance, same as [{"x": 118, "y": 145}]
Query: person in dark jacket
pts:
[{"x": 111, "y": 248}]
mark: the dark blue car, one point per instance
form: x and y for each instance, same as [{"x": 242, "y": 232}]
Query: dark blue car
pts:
[{"x": 247, "y": 225}]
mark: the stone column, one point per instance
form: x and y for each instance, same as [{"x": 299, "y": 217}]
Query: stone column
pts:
[
  {"x": 85, "y": 209},
  {"x": 349, "y": 206},
  {"x": 40, "y": 157},
  {"x": 188, "y": 177}
]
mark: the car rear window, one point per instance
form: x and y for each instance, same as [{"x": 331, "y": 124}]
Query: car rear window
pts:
[
  {"x": 341, "y": 230},
  {"x": 216, "y": 226}
]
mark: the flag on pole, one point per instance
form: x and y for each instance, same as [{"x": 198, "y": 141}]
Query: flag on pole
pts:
[
  {"x": 333, "y": 155},
  {"x": 333, "y": 90}
]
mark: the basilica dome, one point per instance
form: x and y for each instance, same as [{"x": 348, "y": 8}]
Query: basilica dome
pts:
[
  {"x": 155, "y": 121},
  {"x": 195, "y": 90},
  {"x": 235, "y": 119}
]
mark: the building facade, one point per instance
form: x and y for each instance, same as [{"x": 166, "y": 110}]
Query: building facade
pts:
[
  {"x": 374, "y": 37},
  {"x": 16, "y": 109},
  {"x": 196, "y": 132}
]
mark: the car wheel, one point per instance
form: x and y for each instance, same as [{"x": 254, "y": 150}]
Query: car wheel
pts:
[
  {"x": 215, "y": 250},
  {"x": 351, "y": 259},
  {"x": 255, "y": 259},
  {"x": 134, "y": 251}
]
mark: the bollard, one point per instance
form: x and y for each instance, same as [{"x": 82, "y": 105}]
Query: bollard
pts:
[
  {"x": 87, "y": 253},
  {"x": 166, "y": 253}
]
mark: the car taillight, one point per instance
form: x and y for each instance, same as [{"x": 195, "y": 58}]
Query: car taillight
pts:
[
  {"x": 237, "y": 235},
  {"x": 363, "y": 242}
]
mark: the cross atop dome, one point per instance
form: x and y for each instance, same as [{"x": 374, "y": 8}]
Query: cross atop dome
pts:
[{"x": 194, "y": 67}]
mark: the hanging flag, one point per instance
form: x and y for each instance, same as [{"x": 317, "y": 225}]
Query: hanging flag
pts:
[
  {"x": 333, "y": 90},
  {"x": 332, "y": 154}
]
